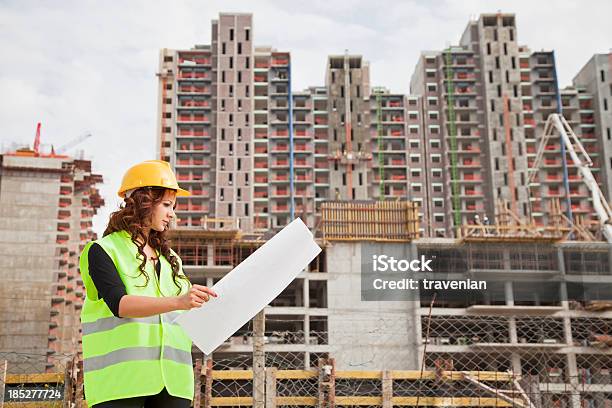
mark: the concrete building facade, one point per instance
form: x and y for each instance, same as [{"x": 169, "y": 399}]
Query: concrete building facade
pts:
[
  {"x": 491, "y": 98},
  {"x": 46, "y": 210},
  {"x": 595, "y": 80}
]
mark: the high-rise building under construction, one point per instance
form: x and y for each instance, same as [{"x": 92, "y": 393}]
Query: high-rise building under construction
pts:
[
  {"x": 485, "y": 105},
  {"x": 463, "y": 143}
]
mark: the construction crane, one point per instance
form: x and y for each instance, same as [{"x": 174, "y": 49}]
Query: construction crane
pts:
[
  {"x": 35, "y": 150},
  {"x": 73, "y": 143},
  {"x": 582, "y": 161},
  {"x": 36, "y": 145}
]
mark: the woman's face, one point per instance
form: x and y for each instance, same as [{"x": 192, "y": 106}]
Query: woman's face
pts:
[{"x": 163, "y": 212}]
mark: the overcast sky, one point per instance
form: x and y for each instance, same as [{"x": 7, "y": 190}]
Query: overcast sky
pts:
[{"x": 89, "y": 66}]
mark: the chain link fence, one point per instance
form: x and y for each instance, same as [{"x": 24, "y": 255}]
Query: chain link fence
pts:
[
  {"x": 442, "y": 360},
  {"x": 40, "y": 380}
]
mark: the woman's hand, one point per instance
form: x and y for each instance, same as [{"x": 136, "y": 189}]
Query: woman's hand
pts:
[{"x": 196, "y": 297}]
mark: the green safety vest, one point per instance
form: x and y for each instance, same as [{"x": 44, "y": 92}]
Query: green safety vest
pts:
[{"x": 131, "y": 357}]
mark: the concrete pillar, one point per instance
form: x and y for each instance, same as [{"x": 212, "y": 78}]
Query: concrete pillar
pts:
[
  {"x": 509, "y": 293},
  {"x": 515, "y": 358},
  {"x": 509, "y": 296},
  {"x": 306, "y": 297},
  {"x": 259, "y": 360},
  {"x": 572, "y": 372},
  {"x": 210, "y": 254},
  {"x": 610, "y": 260},
  {"x": 418, "y": 329}
]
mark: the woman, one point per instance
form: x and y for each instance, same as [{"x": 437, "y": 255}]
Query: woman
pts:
[{"x": 134, "y": 355}]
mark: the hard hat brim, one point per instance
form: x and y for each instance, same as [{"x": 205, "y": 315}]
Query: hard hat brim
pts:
[
  {"x": 182, "y": 193},
  {"x": 179, "y": 192}
]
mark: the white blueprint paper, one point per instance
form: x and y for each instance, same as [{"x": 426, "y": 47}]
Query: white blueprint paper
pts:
[{"x": 250, "y": 286}]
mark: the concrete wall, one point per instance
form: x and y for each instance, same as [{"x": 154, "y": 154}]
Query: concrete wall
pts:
[
  {"x": 231, "y": 50},
  {"x": 355, "y": 71},
  {"x": 46, "y": 205},
  {"x": 367, "y": 335},
  {"x": 499, "y": 55},
  {"x": 28, "y": 267}
]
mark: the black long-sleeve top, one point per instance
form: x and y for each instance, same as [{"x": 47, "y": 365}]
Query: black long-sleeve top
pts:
[{"x": 106, "y": 278}]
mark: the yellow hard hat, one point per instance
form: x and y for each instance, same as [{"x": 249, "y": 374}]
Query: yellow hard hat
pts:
[{"x": 150, "y": 173}]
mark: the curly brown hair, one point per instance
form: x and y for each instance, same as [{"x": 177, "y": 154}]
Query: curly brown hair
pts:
[{"x": 134, "y": 216}]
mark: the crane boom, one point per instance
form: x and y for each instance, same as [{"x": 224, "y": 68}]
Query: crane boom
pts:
[
  {"x": 583, "y": 163},
  {"x": 36, "y": 145},
  {"x": 73, "y": 143}
]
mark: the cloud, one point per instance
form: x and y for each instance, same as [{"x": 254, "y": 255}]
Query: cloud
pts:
[{"x": 81, "y": 66}]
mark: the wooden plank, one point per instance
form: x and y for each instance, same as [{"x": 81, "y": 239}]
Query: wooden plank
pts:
[
  {"x": 208, "y": 380},
  {"x": 68, "y": 383},
  {"x": 451, "y": 402},
  {"x": 497, "y": 393},
  {"x": 412, "y": 375},
  {"x": 359, "y": 400},
  {"x": 312, "y": 401},
  {"x": 452, "y": 375},
  {"x": 485, "y": 375},
  {"x": 296, "y": 374},
  {"x": 232, "y": 375},
  {"x": 231, "y": 401},
  {"x": 79, "y": 392},
  {"x": 327, "y": 383},
  {"x": 367, "y": 375},
  {"x": 56, "y": 378},
  {"x": 197, "y": 383},
  {"x": 3, "y": 368}
]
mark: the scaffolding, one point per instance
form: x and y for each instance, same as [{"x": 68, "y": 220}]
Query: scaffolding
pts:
[
  {"x": 509, "y": 227},
  {"x": 386, "y": 221}
]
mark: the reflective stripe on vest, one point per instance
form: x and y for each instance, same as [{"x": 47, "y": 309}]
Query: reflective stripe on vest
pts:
[
  {"x": 136, "y": 354},
  {"x": 109, "y": 323}
]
